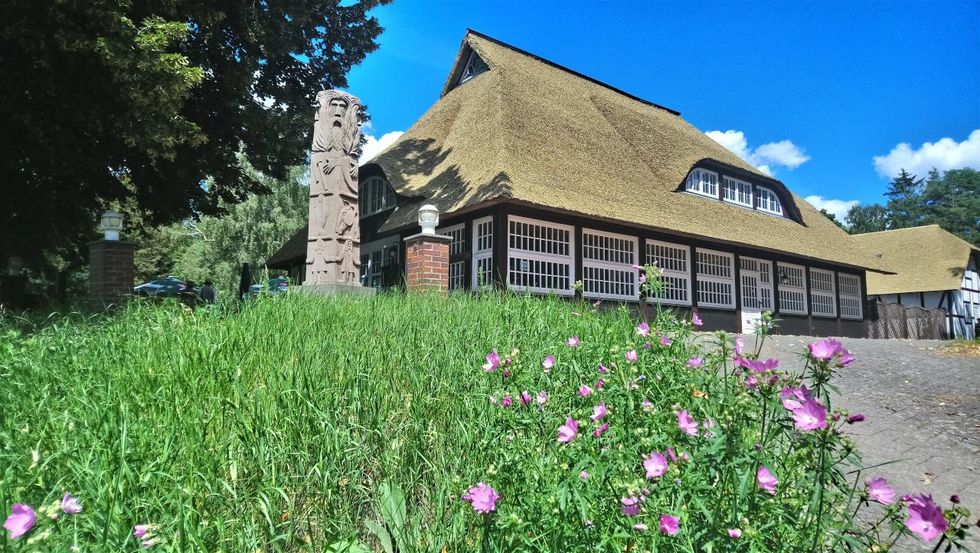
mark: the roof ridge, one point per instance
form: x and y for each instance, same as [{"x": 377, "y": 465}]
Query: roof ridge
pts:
[
  {"x": 903, "y": 228},
  {"x": 570, "y": 71}
]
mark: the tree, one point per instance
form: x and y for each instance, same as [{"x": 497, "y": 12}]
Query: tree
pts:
[
  {"x": 105, "y": 102},
  {"x": 832, "y": 217},
  {"x": 867, "y": 218},
  {"x": 905, "y": 207},
  {"x": 249, "y": 232},
  {"x": 952, "y": 201}
]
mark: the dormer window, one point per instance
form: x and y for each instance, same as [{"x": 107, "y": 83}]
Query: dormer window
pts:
[
  {"x": 738, "y": 192},
  {"x": 375, "y": 195},
  {"x": 768, "y": 201},
  {"x": 703, "y": 182},
  {"x": 474, "y": 66}
]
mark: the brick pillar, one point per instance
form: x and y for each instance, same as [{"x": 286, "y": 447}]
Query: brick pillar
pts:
[
  {"x": 111, "y": 272},
  {"x": 427, "y": 263}
]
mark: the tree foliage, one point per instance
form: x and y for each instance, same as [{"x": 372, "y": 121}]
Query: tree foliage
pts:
[
  {"x": 103, "y": 103},
  {"x": 950, "y": 199},
  {"x": 832, "y": 217}
]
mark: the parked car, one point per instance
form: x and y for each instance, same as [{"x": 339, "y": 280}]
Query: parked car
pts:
[
  {"x": 167, "y": 287},
  {"x": 275, "y": 286}
]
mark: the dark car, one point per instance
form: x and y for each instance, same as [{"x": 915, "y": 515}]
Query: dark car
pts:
[
  {"x": 275, "y": 286},
  {"x": 167, "y": 287}
]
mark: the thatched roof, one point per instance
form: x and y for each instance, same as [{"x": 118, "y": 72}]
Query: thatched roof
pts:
[
  {"x": 924, "y": 259},
  {"x": 532, "y": 131}
]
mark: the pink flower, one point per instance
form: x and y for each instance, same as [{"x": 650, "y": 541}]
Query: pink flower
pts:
[
  {"x": 669, "y": 525},
  {"x": 548, "y": 363},
  {"x": 630, "y": 506},
  {"x": 751, "y": 383},
  {"x": 70, "y": 504},
  {"x": 810, "y": 416},
  {"x": 600, "y": 383},
  {"x": 568, "y": 431},
  {"x": 824, "y": 349},
  {"x": 584, "y": 391},
  {"x": 640, "y": 527},
  {"x": 541, "y": 398},
  {"x": 482, "y": 497},
  {"x": 793, "y": 398},
  {"x": 493, "y": 361},
  {"x": 140, "y": 530},
  {"x": 665, "y": 341},
  {"x": 599, "y": 412},
  {"x": 573, "y": 342},
  {"x": 925, "y": 518},
  {"x": 845, "y": 359},
  {"x": 655, "y": 464},
  {"x": 631, "y": 356},
  {"x": 766, "y": 479},
  {"x": 602, "y": 369},
  {"x": 601, "y": 430},
  {"x": 507, "y": 400},
  {"x": 671, "y": 454},
  {"x": 739, "y": 347},
  {"x": 880, "y": 491},
  {"x": 583, "y": 475},
  {"x": 687, "y": 424},
  {"x": 525, "y": 398},
  {"x": 734, "y": 533},
  {"x": 643, "y": 329},
  {"x": 695, "y": 320},
  {"x": 506, "y": 373},
  {"x": 756, "y": 365},
  {"x": 695, "y": 362},
  {"x": 20, "y": 521}
]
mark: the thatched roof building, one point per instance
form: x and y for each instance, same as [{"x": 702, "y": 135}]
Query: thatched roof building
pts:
[
  {"x": 516, "y": 139},
  {"x": 930, "y": 268}
]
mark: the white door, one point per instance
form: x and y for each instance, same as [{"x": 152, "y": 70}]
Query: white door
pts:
[{"x": 756, "y": 277}]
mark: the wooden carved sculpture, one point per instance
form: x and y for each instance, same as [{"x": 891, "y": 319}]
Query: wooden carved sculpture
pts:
[{"x": 334, "y": 243}]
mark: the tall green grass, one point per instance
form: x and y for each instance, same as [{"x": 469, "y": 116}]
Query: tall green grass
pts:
[{"x": 266, "y": 429}]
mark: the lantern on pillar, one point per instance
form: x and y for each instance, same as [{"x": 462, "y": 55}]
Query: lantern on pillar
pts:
[{"x": 112, "y": 224}]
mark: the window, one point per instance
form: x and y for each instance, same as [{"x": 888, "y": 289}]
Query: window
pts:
[
  {"x": 823, "y": 295},
  {"x": 768, "y": 200},
  {"x": 674, "y": 263},
  {"x": 716, "y": 279},
  {"x": 792, "y": 288},
  {"x": 375, "y": 195},
  {"x": 539, "y": 256},
  {"x": 457, "y": 265},
  {"x": 380, "y": 263},
  {"x": 474, "y": 66},
  {"x": 607, "y": 265},
  {"x": 737, "y": 191},
  {"x": 756, "y": 275},
  {"x": 850, "y": 296},
  {"x": 703, "y": 182},
  {"x": 482, "y": 269}
]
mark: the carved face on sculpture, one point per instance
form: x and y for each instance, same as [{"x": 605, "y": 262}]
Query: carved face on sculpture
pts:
[{"x": 338, "y": 109}]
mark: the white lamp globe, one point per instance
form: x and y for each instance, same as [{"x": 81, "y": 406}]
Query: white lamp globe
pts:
[
  {"x": 428, "y": 218},
  {"x": 112, "y": 223}
]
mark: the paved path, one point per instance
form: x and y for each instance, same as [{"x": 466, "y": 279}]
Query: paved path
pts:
[{"x": 922, "y": 407}]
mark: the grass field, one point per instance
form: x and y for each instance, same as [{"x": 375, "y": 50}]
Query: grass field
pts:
[{"x": 277, "y": 427}]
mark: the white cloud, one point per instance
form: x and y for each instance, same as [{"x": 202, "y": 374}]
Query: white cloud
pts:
[
  {"x": 765, "y": 157},
  {"x": 943, "y": 154},
  {"x": 838, "y": 207},
  {"x": 373, "y": 146}
]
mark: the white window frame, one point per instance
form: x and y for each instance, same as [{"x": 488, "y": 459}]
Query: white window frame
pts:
[
  {"x": 457, "y": 269},
  {"x": 763, "y": 267},
  {"x": 843, "y": 295},
  {"x": 527, "y": 258},
  {"x": 470, "y": 70},
  {"x": 375, "y": 189},
  {"x": 800, "y": 288},
  {"x": 831, "y": 294},
  {"x": 670, "y": 272},
  {"x": 770, "y": 197},
  {"x": 740, "y": 188},
  {"x": 369, "y": 248},
  {"x": 704, "y": 280},
  {"x": 482, "y": 255},
  {"x": 622, "y": 268},
  {"x": 699, "y": 181}
]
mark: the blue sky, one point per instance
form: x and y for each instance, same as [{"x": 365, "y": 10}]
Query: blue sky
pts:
[{"x": 812, "y": 91}]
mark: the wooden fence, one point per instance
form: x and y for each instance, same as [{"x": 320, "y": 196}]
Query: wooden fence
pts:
[{"x": 894, "y": 320}]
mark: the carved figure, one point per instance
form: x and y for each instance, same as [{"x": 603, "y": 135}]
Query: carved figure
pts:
[
  {"x": 333, "y": 188},
  {"x": 350, "y": 264}
]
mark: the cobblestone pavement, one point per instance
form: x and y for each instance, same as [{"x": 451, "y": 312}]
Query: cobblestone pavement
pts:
[{"x": 922, "y": 407}]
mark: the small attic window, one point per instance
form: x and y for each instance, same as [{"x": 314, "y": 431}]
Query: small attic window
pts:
[
  {"x": 474, "y": 66},
  {"x": 376, "y": 195},
  {"x": 768, "y": 201}
]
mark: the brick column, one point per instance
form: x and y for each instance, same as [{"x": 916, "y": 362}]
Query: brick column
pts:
[
  {"x": 111, "y": 272},
  {"x": 427, "y": 263}
]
